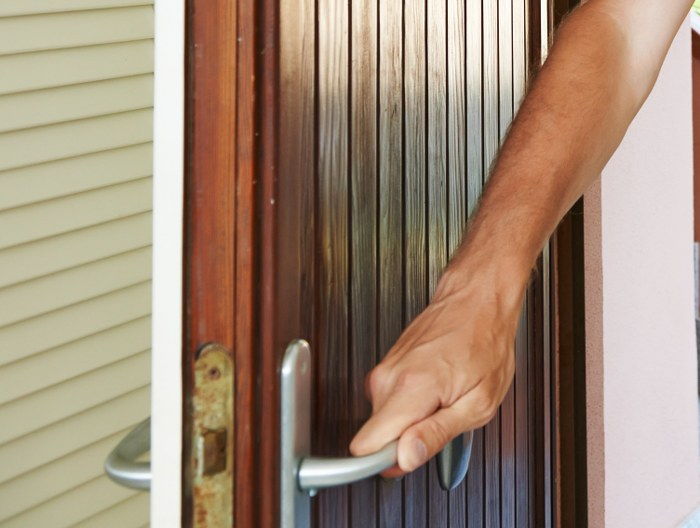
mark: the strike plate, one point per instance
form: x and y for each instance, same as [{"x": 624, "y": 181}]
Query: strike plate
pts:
[{"x": 212, "y": 438}]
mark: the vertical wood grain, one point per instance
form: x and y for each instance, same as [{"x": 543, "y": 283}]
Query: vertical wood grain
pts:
[
  {"x": 332, "y": 376},
  {"x": 536, "y": 375},
  {"x": 505, "y": 66},
  {"x": 265, "y": 13},
  {"x": 297, "y": 163},
  {"x": 475, "y": 116},
  {"x": 456, "y": 124},
  {"x": 363, "y": 218},
  {"x": 533, "y": 382},
  {"x": 437, "y": 139},
  {"x": 415, "y": 223},
  {"x": 390, "y": 210},
  {"x": 522, "y": 437},
  {"x": 490, "y": 88},
  {"x": 547, "y": 400},
  {"x": 519, "y": 51},
  {"x": 244, "y": 474}
]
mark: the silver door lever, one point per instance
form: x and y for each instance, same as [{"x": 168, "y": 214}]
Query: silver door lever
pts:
[
  {"x": 122, "y": 465},
  {"x": 325, "y": 472}
]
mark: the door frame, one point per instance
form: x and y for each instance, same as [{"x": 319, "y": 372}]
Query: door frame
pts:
[
  {"x": 166, "y": 326},
  {"x": 224, "y": 182}
]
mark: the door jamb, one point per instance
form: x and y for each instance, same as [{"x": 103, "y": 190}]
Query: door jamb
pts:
[{"x": 168, "y": 155}]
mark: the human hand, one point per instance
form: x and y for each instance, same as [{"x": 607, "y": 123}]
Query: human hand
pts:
[{"x": 446, "y": 374}]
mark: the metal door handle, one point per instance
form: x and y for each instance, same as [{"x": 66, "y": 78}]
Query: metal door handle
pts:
[
  {"x": 121, "y": 465},
  {"x": 325, "y": 472},
  {"x": 301, "y": 474},
  {"x": 453, "y": 461}
]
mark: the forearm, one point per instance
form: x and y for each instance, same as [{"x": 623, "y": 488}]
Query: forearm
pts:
[
  {"x": 596, "y": 78},
  {"x": 454, "y": 363}
]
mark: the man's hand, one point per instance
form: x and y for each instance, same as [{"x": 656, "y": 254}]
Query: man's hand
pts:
[
  {"x": 453, "y": 365},
  {"x": 447, "y": 373}
]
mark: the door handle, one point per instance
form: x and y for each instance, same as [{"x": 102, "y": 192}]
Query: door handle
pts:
[
  {"x": 453, "y": 461},
  {"x": 325, "y": 472},
  {"x": 301, "y": 475},
  {"x": 121, "y": 465}
]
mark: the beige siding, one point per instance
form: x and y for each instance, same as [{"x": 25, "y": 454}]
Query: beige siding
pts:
[{"x": 76, "y": 97}]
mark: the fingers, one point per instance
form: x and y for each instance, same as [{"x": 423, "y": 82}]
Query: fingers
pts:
[
  {"x": 423, "y": 440},
  {"x": 412, "y": 400},
  {"x": 394, "y": 472},
  {"x": 409, "y": 406}
]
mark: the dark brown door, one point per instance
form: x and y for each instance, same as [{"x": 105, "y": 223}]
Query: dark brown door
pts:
[{"x": 336, "y": 150}]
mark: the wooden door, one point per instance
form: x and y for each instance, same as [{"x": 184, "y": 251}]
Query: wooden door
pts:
[{"x": 335, "y": 151}]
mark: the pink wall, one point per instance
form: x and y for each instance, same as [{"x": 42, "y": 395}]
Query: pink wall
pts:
[{"x": 641, "y": 359}]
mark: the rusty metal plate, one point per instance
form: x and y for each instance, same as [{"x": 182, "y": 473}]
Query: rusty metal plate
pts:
[{"x": 212, "y": 438}]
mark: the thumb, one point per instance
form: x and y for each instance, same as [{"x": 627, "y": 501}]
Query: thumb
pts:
[{"x": 420, "y": 442}]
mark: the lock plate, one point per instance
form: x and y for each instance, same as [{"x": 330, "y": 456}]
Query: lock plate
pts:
[
  {"x": 212, "y": 438},
  {"x": 295, "y": 433}
]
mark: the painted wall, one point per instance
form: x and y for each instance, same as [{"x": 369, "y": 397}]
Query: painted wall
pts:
[
  {"x": 642, "y": 375},
  {"x": 76, "y": 97}
]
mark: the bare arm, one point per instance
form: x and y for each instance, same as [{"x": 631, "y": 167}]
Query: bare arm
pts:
[{"x": 451, "y": 368}]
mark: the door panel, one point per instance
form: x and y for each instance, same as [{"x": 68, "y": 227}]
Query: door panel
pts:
[{"x": 390, "y": 115}]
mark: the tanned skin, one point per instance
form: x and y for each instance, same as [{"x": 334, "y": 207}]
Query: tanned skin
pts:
[{"x": 452, "y": 366}]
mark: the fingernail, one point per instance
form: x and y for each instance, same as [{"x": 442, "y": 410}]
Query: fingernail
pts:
[{"x": 418, "y": 454}]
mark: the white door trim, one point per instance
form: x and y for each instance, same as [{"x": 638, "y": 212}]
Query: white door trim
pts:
[{"x": 168, "y": 166}]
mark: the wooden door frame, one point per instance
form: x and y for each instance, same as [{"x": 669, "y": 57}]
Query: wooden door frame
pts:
[
  {"x": 236, "y": 146},
  {"x": 230, "y": 153},
  {"x": 569, "y": 368}
]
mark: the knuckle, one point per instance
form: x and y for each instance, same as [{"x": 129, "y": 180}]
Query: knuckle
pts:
[
  {"x": 376, "y": 379},
  {"x": 484, "y": 405},
  {"x": 453, "y": 381}
]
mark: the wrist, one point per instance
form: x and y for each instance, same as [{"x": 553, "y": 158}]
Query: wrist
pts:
[{"x": 501, "y": 276}]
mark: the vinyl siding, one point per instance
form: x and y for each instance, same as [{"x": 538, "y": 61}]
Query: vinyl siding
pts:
[{"x": 76, "y": 97}]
